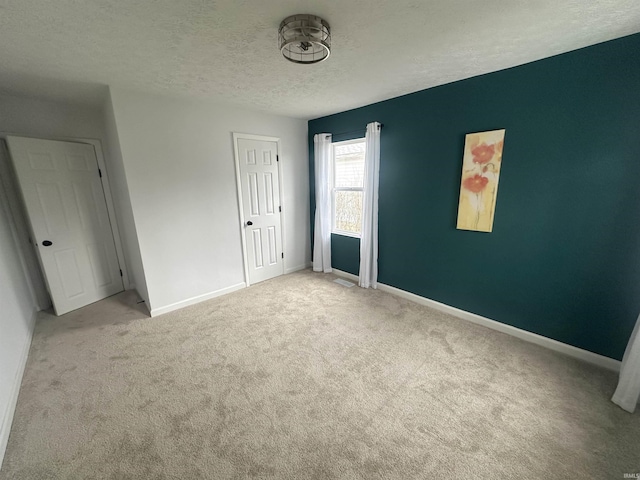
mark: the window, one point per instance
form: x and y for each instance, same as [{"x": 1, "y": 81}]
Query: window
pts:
[{"x": 348, "y": 183}]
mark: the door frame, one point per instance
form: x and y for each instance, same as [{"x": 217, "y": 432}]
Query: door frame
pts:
[
  {"x": 106, "y": 188},
  {"x": 248, "y": 136}
]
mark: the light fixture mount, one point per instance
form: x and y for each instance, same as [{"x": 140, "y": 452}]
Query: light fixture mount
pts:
[{"x": 305, "y": 39}]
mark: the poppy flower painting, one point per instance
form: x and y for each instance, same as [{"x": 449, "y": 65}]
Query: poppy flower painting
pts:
[{"x": 479, "y": 185}]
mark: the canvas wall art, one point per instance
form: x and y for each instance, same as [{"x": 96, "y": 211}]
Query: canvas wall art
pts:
[{"x": 480, "y": 174}]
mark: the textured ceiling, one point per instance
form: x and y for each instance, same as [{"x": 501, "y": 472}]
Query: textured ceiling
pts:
[{"x": 226, "y": 50}]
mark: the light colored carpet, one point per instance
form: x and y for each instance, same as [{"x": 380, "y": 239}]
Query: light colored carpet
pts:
[{"x": 302, "y": 378}]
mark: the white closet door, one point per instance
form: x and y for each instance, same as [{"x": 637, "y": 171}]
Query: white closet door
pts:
[
  {"x": 63, "y": 195},
  {"x": 259, "y": 181}
]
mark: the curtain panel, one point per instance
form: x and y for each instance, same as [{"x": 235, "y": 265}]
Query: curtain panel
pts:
[
  {"x": 369, "y": 237},
  {"x": 322, "y": 225},
  {"x": 628, "y": 392}
]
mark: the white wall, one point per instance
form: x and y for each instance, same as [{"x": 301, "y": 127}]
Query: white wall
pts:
[
  {"x": 52, "y": 120},
  {"x": 45, "y": 119},
  {"x": 179, "y": 163},
  {"x": 29, "y": 117},
  {"x": 17, "y": 317},
  {"x": 122, "y": 203}
]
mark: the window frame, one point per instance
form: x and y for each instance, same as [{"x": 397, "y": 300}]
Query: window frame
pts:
[{"x": 335, "y": 189}]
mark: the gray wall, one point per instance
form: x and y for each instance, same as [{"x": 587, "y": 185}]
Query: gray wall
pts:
[
  {"x": 17, "y": 316},
  {"x": 179, "y": 164},
  {"x": 42, "y": 119},
  {"x": 122, "y": 203}
]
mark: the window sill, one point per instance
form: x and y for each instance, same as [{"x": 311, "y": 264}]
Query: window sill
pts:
[{"x": 346, "y": 234}]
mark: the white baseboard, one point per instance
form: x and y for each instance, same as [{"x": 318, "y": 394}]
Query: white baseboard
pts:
[
  {"x": 154, "y": 312},
  {"x": 298, "y": 268},
  {"x": 585, "y": 355},
  {"x": 7, "y": 419}
]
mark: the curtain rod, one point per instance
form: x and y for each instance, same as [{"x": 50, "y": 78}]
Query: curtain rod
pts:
[{"x": 354, "y": 131}]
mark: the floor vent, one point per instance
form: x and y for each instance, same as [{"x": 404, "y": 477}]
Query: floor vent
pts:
[{"x": 344, "y": 283}]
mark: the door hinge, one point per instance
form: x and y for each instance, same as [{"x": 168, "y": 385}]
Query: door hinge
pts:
[
  {"x": 277, "y": 158},
  {"x": 120, "y": 272},
  {"x": 280, "y": 209},
  {"x": 282, "y": 254},
  {"x": 100, "y": 173}
]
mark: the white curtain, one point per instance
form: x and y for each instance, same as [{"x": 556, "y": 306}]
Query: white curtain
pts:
[
  {"x": 628, "y": 391},
  {"x": 369, "y": 236},
  {"x": 322, "y": 230}
]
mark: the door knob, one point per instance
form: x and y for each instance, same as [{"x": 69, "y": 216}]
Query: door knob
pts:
[
  {"x": 249, "y": 222},
  {"x": 47, "y": 243}
]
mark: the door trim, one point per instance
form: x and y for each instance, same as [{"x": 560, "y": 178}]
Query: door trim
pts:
[
  {"x": 97, "y": 147},
  {"x": 249, "y": 136}
]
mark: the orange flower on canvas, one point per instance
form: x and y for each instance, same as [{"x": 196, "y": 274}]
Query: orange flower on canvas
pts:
[
  {"x": 483, "y": 153},
  {"x": 475, "y": 184},
  {"x": 479, "y": 183}
]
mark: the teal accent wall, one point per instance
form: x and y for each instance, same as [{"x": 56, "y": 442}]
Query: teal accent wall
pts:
[{"x": 563, "y": 259}]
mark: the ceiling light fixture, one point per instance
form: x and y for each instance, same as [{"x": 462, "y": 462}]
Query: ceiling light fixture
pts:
[{"x": 304, "y": 39}]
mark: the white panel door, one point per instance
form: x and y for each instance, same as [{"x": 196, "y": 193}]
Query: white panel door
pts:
[
  {"x": 260, "y": 191},
  {"x": 62, "y": 191}
]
